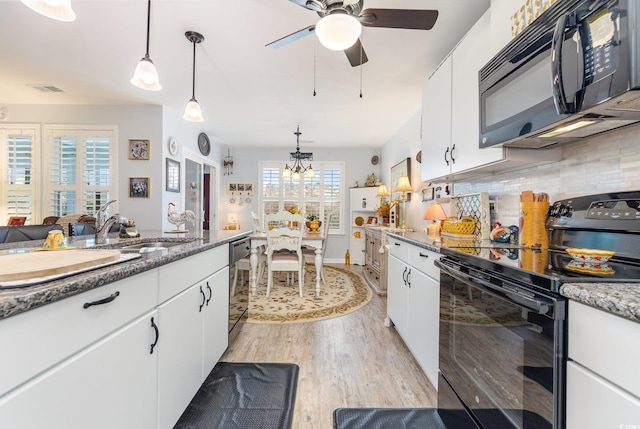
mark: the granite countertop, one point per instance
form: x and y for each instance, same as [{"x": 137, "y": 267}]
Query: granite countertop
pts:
[
  {"x": 622, "y": 299},
  {"x": 17, "y": 300}
]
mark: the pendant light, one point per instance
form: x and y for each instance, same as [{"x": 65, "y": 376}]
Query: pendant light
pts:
[
  {"x": 146, "y": 75},
  {"x": 60, "y": 10},
  {"x": 193, "y": 112}
]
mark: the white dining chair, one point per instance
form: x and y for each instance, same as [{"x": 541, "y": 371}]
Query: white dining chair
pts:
[
  {"x": 244, "y": 264},
  {"x": 284, "y": 246},
  {"x": 309, "y": 253}
]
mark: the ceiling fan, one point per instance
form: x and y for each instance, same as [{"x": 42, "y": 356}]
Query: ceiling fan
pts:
[{"x": 341, "y": 24}]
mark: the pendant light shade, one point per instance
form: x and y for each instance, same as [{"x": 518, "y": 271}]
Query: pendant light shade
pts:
[
  {"x": 146, "y": 76},
  {"x": 338, "y": 31},
  {"x": 193, "y": 112},
  {"x": 60, "y": 10}
]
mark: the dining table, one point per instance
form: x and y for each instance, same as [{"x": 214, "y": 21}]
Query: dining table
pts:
[{"x": 309, "y": 239}]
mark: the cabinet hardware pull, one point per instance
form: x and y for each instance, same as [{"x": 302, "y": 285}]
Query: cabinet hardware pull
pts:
[
  {"x": 397, "y": 244},
  {"x": 445, "y": 156},
  {"x": 453, "y": 160},
  {"x": 210, "y": 294},
  {"x": 423, "y": 255},
  {"x": 404, "y": 276},
  {"x": 155, "y": 328},
  {"x": 204, "y": 299},
  {"x": 409, "y": 277},
  {"x": 102, "y": 301}
]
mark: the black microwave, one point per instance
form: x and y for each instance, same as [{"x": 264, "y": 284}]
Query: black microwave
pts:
[{"x": 572, "y": 73}]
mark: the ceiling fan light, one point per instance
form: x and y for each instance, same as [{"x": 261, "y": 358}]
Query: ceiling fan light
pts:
[
  {"x": 338, "y": 31},
  {"x": 193, "y": 112},
  {"x": 146, "y": 75},
  {"x": 60, "y": 10}
]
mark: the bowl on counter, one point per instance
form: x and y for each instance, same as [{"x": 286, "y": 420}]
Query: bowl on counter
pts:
[{"x": 590, "y": 255}]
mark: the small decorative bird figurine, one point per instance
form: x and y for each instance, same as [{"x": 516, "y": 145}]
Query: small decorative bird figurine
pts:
[{"x": 179, "y": 218}]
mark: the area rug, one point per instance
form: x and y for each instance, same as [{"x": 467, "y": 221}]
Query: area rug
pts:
[{"x": 345, "y": 292}]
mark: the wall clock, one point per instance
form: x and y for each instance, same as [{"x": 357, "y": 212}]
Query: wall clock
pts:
[
  {"x": 375, "y": 159},
  {"x": 173, "y": 146},
  {"x": 203, "y": 144}
]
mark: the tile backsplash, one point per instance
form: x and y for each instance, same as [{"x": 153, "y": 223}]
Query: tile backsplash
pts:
[{"x": 605, "y": 163}]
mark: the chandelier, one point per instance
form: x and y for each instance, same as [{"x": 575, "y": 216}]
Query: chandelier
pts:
[{"x": 297, "y": 157}]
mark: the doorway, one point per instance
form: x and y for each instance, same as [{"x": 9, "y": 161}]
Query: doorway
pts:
[{"x": 201, "y": 195}]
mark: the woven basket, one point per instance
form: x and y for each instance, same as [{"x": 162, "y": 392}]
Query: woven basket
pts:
[{"x": 464, "y": 226}]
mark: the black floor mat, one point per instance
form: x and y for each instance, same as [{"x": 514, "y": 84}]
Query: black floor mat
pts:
[
  {"x": 387, "y": 418},
  {"x": 244, "y": 396}
]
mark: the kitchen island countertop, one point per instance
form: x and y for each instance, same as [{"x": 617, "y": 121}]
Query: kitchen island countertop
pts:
[{"x": 18, "y": 300}]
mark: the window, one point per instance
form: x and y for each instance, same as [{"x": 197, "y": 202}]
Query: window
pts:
[
  {"x": 320, "y": 195},
  {"x": 18, "y": 185},
  {"x": 80, "y": 164}
]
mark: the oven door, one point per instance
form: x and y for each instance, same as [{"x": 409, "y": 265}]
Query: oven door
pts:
[{"x": 501, "y": 349}]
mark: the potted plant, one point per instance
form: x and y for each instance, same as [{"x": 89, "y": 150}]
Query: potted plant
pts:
[{"x": 383, "y": 212}]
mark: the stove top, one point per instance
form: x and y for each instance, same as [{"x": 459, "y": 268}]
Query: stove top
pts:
[{"x": 604, "y": 221}]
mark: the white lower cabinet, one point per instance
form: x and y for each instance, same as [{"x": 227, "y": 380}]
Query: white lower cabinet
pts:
[
  {"x": 603, "y": 381},
  {"x": 413, "y": 302},
  {"x": 87, "y": 361},
  {"x": 110, "y": 384}
]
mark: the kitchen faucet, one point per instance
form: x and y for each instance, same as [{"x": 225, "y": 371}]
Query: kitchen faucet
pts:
[
  {"x": 101, "y": 233},
  {"x": 101, "y": 216}
]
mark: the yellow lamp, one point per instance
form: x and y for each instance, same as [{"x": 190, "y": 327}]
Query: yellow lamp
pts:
[
  {"x": 404, "y": 186},
  {"x": 382, "y": 193},
  {"x": 435, "y": 213}
]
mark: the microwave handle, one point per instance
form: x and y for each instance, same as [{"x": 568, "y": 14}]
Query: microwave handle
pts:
[{"x": 559, "y": 96}]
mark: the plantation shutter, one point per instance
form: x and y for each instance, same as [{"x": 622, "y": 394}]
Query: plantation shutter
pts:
[{"x": 19, "y": 182}]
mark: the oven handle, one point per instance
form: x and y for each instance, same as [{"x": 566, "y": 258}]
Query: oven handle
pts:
[{"x": 539, "y": 305}]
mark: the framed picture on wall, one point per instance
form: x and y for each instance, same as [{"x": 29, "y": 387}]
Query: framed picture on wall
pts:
[
  {"x": 173, "y": 175},
  {"x": 139, "y": 149},
  {"x": 139, "y": 187},
  {"x": 403, "y": 168}
]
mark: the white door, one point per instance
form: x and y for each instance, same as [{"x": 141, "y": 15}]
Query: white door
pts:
[
  {"x": 215, "y": 319},
  {"x": 397, "y": 291}
]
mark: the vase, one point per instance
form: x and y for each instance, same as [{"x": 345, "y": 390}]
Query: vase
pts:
[{"x": 314, "y": 225}]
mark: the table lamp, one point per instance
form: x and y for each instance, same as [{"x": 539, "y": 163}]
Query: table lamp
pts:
[
  {"x": 435, "y": 213},
  {"x": 382, "y": 193},
  {"x": 404, "y": 186}
]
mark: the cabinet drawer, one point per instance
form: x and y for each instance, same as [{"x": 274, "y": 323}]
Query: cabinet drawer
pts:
[
  {"x": 606, "y": 344},
  {"x": 399, "y": 249},
  {"x": 422, "y": 259},
  {"x": 594, "y": 403},
  {"x": 37, "y": 339},
  {"x": 179, "y": 275}
]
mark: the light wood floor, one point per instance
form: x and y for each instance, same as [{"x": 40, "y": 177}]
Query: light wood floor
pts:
[{"x": 348, "y": 361}]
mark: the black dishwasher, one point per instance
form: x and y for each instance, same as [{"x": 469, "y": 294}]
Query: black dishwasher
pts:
[{"x": 239, "y": 274}]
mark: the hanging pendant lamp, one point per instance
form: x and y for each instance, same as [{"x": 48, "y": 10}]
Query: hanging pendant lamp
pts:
[
  {"x": 146, "y": 75},
  {"x": 193, "y": 112},
  {"x": 60, "y": 10}
]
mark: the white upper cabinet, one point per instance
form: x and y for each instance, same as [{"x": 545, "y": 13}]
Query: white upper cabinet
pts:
[{"x": 451, "y": 111}]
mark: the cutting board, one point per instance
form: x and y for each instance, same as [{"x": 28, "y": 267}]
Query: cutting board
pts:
[{"x": 22, "y": 266}]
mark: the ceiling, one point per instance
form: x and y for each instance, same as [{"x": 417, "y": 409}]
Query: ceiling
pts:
[{"x": 251, "y": 96}]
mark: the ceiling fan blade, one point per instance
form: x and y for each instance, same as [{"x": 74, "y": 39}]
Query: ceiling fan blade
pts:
[
  {"x": 314, "y": 5},
  {"x": 292, "y": 37},
  {"x": 353, "y": 54},
  {"x": 411, "y": 19}
]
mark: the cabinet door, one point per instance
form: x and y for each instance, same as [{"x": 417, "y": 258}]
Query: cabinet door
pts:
[
  {"x": 111, "y": 384},
  {"x": 470, "y": 55},
  {"x": 397, "y": 295},
  {"x": 179, "y": 353},
  {"x": 424, "y": 322},
  {"x": 436, "y": 123},
  {"x": 215, "y": 320}
]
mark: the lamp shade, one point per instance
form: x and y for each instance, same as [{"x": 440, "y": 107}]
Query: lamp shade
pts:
[
  {"x": 382, "y": 192},
  {"x": 60, "y": 10},
  {"x": 193, "y": 112},
  {"x": 434, "y": 212},
  {"x": 338, "y": 31},
  {"x": 404, "y": 185},
  {"x": 146, "y": 76}
]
